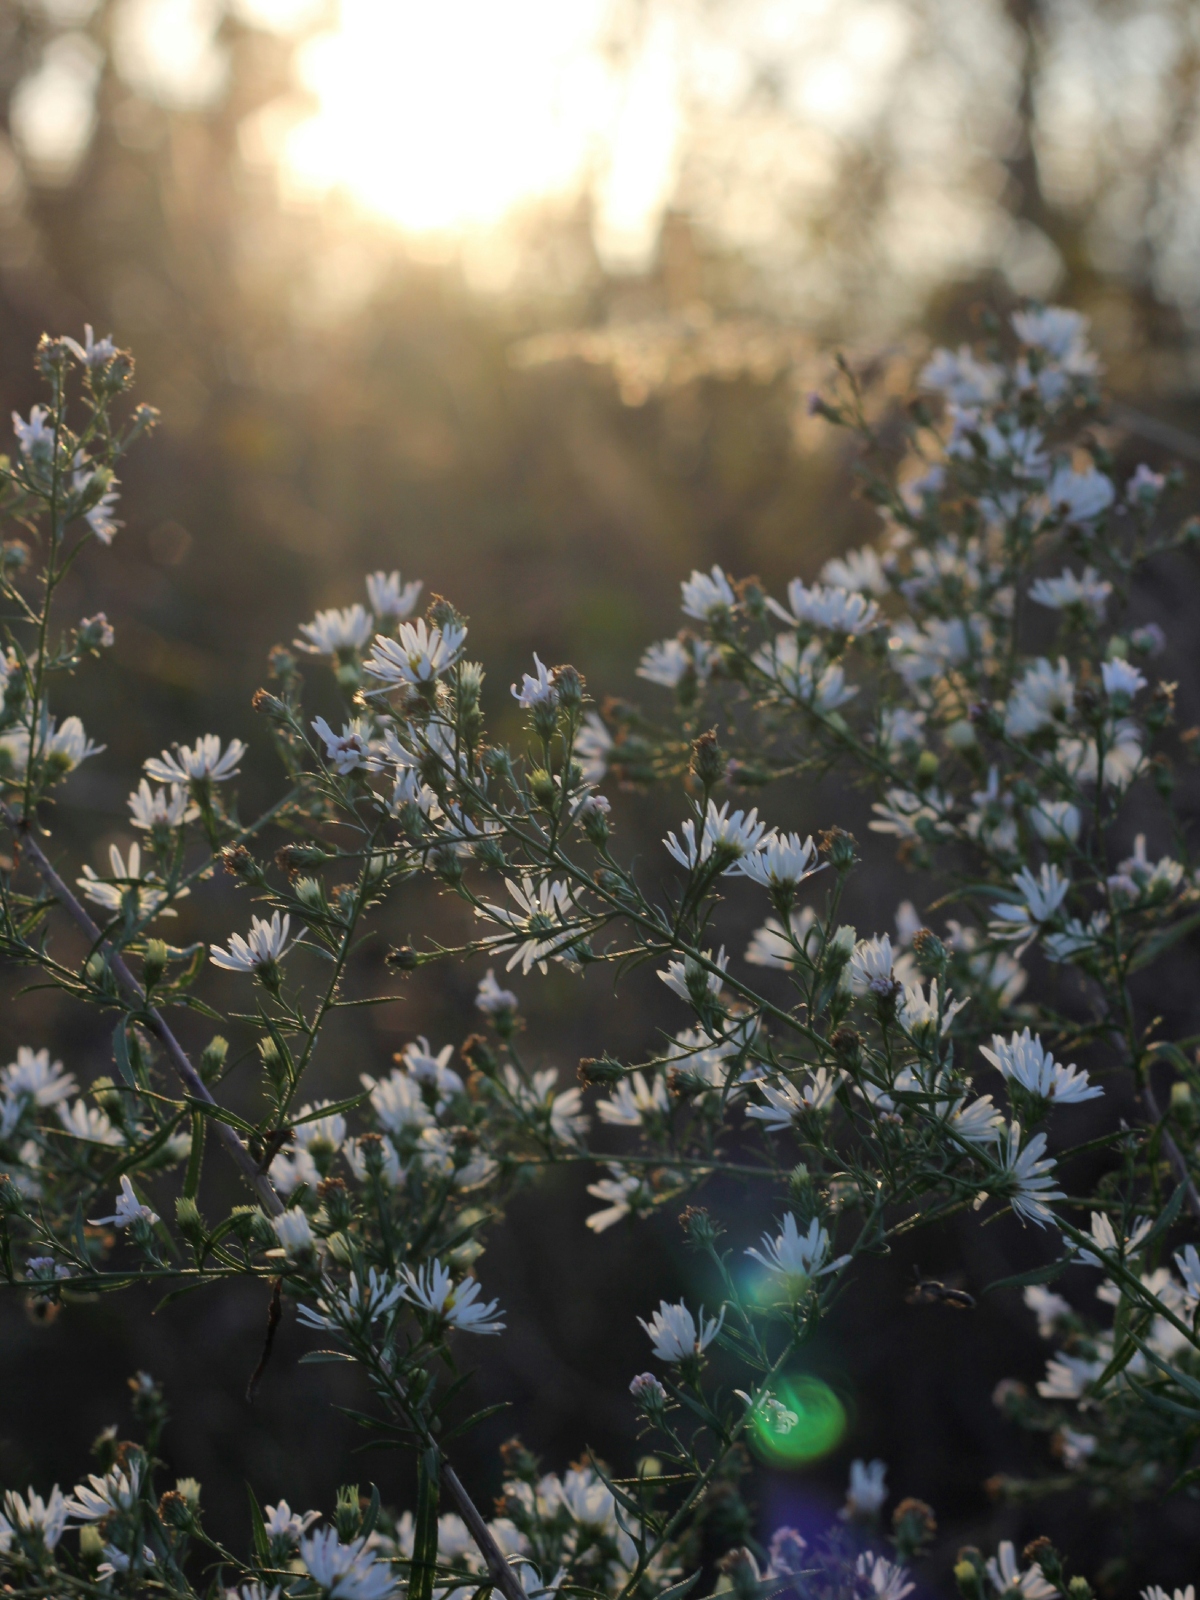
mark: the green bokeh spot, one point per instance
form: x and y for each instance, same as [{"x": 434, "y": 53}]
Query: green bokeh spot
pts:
[{"x": 818, "y": 1428}]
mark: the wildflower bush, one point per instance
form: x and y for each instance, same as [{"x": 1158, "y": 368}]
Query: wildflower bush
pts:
[{"x": 972, "y": 669}]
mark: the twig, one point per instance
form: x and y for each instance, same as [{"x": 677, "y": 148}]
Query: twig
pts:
[
  {"x": 274, "y": 1312},
  {"x": 1174, "y": 1154},
  {"x": 154, "y": 1019},
  {"x": 501, "y": 1574}
]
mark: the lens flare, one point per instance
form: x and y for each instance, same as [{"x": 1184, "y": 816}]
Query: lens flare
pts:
[{"x": 802, "y": 1421}]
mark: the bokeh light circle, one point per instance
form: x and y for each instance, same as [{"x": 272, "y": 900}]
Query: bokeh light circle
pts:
[{"x": 819, "y": 1426}]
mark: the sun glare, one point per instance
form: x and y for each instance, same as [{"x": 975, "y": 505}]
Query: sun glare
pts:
[{"x": 446, "y": 118}]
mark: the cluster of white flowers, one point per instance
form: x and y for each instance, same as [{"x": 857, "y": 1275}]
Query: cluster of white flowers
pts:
[{"x": 973, "y": 668}]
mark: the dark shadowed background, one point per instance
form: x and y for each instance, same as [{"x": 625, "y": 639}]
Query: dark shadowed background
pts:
[{"x": 394, "y": 319}]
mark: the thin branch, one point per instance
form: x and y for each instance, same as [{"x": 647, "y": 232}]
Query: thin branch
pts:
[
  {"x": 154, "y": 1019},
  {"x": 501, "y": 1574},
  {"x": 1174, "y": 1154}
]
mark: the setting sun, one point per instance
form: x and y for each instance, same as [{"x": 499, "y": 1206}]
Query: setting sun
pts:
[{"x": 449, "y": 117}]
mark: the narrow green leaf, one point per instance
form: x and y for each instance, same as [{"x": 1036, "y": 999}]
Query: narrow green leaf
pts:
[
  {"x": 424, "y": 1556},
  {"x": 192, "y": 1181},
  {"x": 372, "y": 1516},
  {"x": 220, "y": 1114},
  {"x": 1046, "y": 1274},
  {"x": 317, "y": 1358},
  {"x": 121, "y": 1054},
  {"x": 258, "y": 1531},
  {"x": 679, "y": 1591}
]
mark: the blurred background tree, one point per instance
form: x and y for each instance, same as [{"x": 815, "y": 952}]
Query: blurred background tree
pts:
[{"x": 525, "y": 300}]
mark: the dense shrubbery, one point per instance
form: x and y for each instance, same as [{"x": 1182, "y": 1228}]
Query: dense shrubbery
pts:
[{"x": 864, "y": 1087}]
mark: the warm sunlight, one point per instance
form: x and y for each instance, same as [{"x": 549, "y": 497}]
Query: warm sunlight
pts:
[{"x": 447, "y": 117}]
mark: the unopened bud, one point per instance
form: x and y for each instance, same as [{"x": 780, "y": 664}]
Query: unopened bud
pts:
[
  {"x": 568, "y": 682},
  {"x": 187, "y": 1215},
  {"x": 708, "y": 759},
  {"x": 840, "y": 847},
  {"x": 404, "y": 957},
  {"x": 542, "y": 787},
  {"x": 929, "y": 950},
  {"x": 154, "y": 962},
  {"x": 212, "y": 1057}
]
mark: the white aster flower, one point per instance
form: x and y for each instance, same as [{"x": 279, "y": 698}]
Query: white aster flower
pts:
[
  {"x": 871, "y": 966},
  {"x": 1056, "y": 822},
  {"x": 782, "y": 861},
  {"x": 294, "y": 1234},
  {"x": 1023, "y": 1059},
  {"x": 1028, "y": 1177},
  {"x": 887, "y": 1580},
  {"x": 669, "y": 661},
  {"x": 635, "y": 1098},
  {"x": 398, "y": 1102},
  {"x": 346, "y": 750},
  {"x": 433, "y": 1289},
  {"x": 335, "y": 631},
  {"x": 1108, "y": 1242},
  {"x": 346, "y": 1571},
  {"x": 1088, "y": 592},
  {"x": 1041, "y": 900},
  {"x": 1121, "y": 679},
  {"x": 202, "y": 762},
  {"x": 1145, "y": 486},
  {"x": 674, "y": 1334},
  {"x": 1188, "y": 1262},
  {"x": 835, "y": 609},
  {"x": 1045, "y": 695},
  {"x": 281, "y": 1522},
  {"x": 677, "y": 974},
  {"x": 89, "y": 1123},
  {"x": 1054, "y": 329},
  {"x": 35, "y": 437},
  {"x": 899, "y": 727},
  {"x": 264, "y": 947},
  {"x": 621, "y": 1191},
  {"x": 867, "y": 1490},
  {"x": 859, "y": 571},
  {"x": 540, "y": 927},
  {"x": 34, "y": 1077},
  {"x": 322, "y": 1133},
  {"x": 357, "y": 1305},
  {"x": 93, "y": 352},
  {"x": 389, "y": 597},
  {"x": 927, "y": 1016},
  {"x": 978, "y": 1121},
  {"x": 805, "y": 674},
  {"x": 707, "y": 596},
  {"x": 1009, "y": 1581},
  {"x": 31, "y": 1515},
  {"x": 1049, "y": 1308},
  {"x": 961, "y": 376},
  {"x": 795, "y": 1257},
  {"x": 129, "y": 1209},
  {"x": 418, "y": 655},
  {"x": 1079, "y": 497},
  {"x": 100, "y": 1497},
  {"x": 160, "y": 808},
  {"x": 491, "y": 999},
  {"x": 536, "y": 688},
  {"x": 909, "y": 815},
  {"x": 112, "y": 896},
  {"x": 786, "y": 1101}
]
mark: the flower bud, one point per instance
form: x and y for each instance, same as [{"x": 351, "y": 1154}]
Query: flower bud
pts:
[
  {"x": 154, "y": 962},
  {"x": 404, "y": 957},
  {"x": 568, "y": 682},
  {"x": 96, "y": 633},
  {"x": 294, "y": 858},
  {"x": 708, "y": 760},
  {"x": 929, "y": 950},
  {"x": 650, "y": 1395},
  {"x": 212, "y": 1057},
  {"x": 841, "y": 848},
  {"x": 348, "y": 1515},
  {"x": 600, "y": 1070},
  {"x": 542, "y": 787},
  {"x": 187, "y": 1215}
]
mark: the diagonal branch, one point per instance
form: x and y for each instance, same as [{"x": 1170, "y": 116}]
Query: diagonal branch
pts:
[{"x": 154, "y": 1020}]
